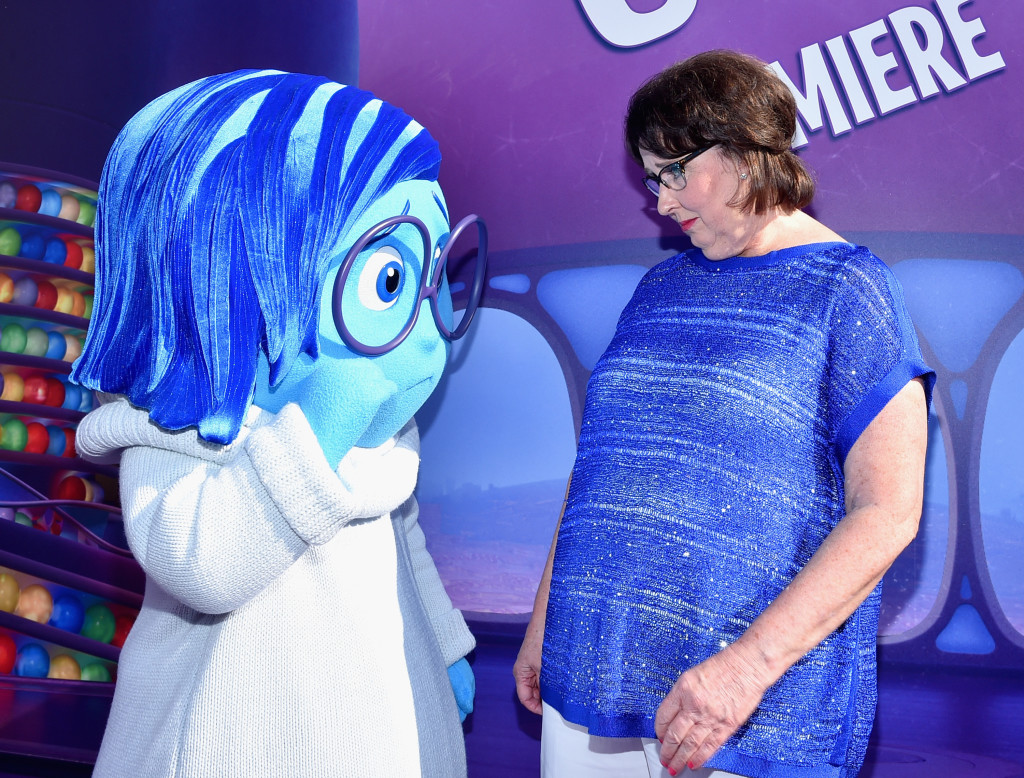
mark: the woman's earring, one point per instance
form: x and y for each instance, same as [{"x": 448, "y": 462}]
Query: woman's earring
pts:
[{"x": 743, "y": 176}]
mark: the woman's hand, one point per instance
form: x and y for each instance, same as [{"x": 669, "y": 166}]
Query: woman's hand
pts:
[
  {"x": 706, "y": 705},
  {"x": 527, "y": 669}
]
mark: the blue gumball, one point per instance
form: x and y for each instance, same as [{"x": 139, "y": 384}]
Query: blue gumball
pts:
[
  {"x": 50, "y": 203},
  {"x": 56, "y": 348},
  {"x": 58, "y": 442},
  {"x": 56, "y": 251},
  {"x": 32, "y": 246},
  {"x": 86, "y": 403},
  {"x": 32, "y": 661},
  {"x": 72, "y": 395},
  {"x": 68, "y": 613}
]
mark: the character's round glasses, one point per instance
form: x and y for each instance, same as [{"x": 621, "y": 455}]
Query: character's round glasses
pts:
[
  {"x": 383, "y": 284},
  {"x": 673, "y": 175}
]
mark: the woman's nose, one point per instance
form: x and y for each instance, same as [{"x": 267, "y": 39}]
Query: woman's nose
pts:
[{"x": 666, "y": 200}]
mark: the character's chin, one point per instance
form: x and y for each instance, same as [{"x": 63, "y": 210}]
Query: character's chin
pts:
[{"x": 395, "y": 413}]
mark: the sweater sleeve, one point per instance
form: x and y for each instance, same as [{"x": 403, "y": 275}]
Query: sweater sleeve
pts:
[
  {"x": 873, "y": 349},
  {"x": 453, "y": 636},
  {"x": 214, "y": 533}
]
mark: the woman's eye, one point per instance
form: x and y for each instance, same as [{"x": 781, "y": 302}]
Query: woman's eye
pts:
[{"x": 381, "y": 279}]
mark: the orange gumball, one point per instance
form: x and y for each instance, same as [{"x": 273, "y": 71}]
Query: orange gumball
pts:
[
  {"x": 65, "y": 668},
  {"x": 77, "y": 304},
  {"x": 9, "y": 592},
  {"x": 35, "y": 604},
  {"x": 14, "y": 387},
  {"x": 74, "y": 349},
  {"x": 6, "y": 288}
]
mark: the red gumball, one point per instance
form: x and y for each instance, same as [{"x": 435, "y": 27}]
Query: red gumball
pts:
[
  {"x": 8, "y": 653},
  {"x": 36, "y": 390},
  {"x": 73, "y": 258},
  {"x": 71, "y": 488},
  {"x": 38, "y": 438},
  {"x": 69, "y": 449},
  {"x": 47, "y": 296},
  {"x": 54, "y": 393},
  {"x": 29, "y": 198},
  {"x": 122, "y": 626}
]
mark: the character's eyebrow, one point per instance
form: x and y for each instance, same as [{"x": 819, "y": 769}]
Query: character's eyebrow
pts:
[
  {"x": 440, "y": 204},
  {"x": 393, "y": 227}
]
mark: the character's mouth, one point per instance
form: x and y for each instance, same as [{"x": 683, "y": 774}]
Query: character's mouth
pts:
[{"x": 686, "y": 225}]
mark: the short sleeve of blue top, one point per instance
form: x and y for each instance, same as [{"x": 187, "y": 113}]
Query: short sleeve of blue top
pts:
[{"x": 709, "y": 470}]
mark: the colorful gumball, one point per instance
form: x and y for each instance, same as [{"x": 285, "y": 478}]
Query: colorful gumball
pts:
[
  {"x": 32, "y": 661},
  {"x": 38, "y": 439},
  {"x": 26, "y": 292},
  {"x": 73, "y": 254},
  {"x": 54, "y": 393},
  {"x": 122, "y": 626},
  {"x": 6, "y": 287},
  {"x": 65, "y": 668},
  {"x": 8, "y": 194},
  {"x": 68, "y": 613},
  {"x": 86, "y": 213},
  {"x": 96, "y": 672},
  {"x": 36, "y": 342},
  {"x": 47, "y": 297},
  {"x": 29, "y": 198},
  {"x": 72, "y": 487},
  {"x": 15, "y": 435},
  {"x": 10, "y": 591},
  {"x": 88, "y": 259},
  {"x": 74, "y": 347},
  {"x": 57, "y": 346},
  {"x": 69, "y": 445},
  {"x": 14, "y": 387},
  {"x": 32, "y": 246},
  {"x": 35, "y": 604},
  {"x": 23, "y": 519},
  {"x": 35, "y": 390},
  {"x": 12, "y": 338},
  {"x": 99, "y": 623},
  {"x": 88, "y": 401},
  {"x": 69, "y": 207},
  {"x": 49, "y": 204},
  {"x": 58, "y": 441},
  {"x": 65, "y": 301},
  {"x": 10, "y": 242},
  {"x": 77, "y": 304},
  {"x": 88, "y": 306},
  {"x": 72, "y": 395},
  {"x": 55, "y": 251},
  {"x": 8, "y": 653}
]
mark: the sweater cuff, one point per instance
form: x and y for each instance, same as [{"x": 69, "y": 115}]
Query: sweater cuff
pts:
[
  {"x": 453, "y": 636},
  {"x": 288, "y": 459}
]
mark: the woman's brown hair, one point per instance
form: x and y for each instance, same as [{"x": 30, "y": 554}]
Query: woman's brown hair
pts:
[{"x": 733, "y": 100}]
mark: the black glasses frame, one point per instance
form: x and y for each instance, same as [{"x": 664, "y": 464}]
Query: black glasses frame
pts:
[{"x": 678, "y": 170}]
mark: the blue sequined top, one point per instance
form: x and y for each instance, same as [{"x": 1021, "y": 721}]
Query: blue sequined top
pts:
[{"x": 709, "y": 470}]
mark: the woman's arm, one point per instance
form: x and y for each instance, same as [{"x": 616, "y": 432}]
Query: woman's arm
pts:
[
  {"x": 884, "y": 477},
  {"x": 527, "y": 665}
]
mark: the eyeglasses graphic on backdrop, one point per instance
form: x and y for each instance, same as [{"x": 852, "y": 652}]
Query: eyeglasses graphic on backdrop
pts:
[{"x": 383, "y": 277}]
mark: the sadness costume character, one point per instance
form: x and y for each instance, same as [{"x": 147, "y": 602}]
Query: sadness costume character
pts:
[{"x": 266, "y": 341}]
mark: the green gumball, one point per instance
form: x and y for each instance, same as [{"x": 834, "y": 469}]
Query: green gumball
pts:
[
  {"x": 95, "y": 672},
  {"x": 13, "y": 338},
  {"x": 10, "y": 242},
  {"x": 98, "y": 625}
]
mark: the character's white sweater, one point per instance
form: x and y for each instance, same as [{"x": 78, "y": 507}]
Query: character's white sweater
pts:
[{"x": 293, "y": 623}]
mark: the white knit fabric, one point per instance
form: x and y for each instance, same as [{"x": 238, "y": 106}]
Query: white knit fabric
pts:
[{"x": 270, "y": 642}]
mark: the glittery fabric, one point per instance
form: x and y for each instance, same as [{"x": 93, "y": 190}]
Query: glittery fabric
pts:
[{"x": 709, "y": 470}]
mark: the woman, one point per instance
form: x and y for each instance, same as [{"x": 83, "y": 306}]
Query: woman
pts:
[{"x": 749, "y": 465}]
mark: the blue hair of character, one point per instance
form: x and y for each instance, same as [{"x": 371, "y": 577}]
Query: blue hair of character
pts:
[{"x": 221, "y": 206}]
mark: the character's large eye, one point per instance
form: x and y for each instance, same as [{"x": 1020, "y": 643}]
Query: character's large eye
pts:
[{"x": 381, "y": 279}]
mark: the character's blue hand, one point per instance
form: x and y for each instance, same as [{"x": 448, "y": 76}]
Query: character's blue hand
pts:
[{"x": 464, "y": 685}]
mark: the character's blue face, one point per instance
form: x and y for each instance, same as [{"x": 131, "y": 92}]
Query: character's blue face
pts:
[
  {"x": 378, "y": 299},
  {"x": 369, "y": 398}
]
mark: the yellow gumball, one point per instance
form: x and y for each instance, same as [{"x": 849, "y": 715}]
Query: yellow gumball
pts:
[
  {"x": 9, "y": 592},
  {"x": 88, "y": 260},
  {"x": 65, "y": 668},
  {"x": 35, "y": 604}
]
